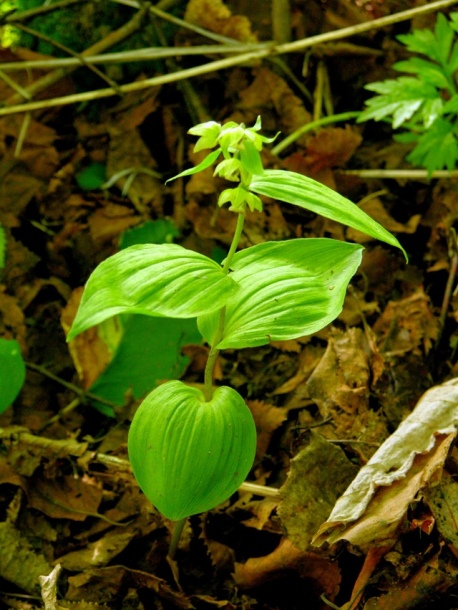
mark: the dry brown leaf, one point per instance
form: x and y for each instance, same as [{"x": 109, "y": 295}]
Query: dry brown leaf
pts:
[
  {"x": 99, "y": 553},
  {"x": 65, "y": 497},
  {"x": 427, "y": 583},
  {"x": 128, "y": 150},
  {"x": 374, "y": 503},
  {"x": 89, "y": 352},
  {"x": 407, "y": 325},
  {"x": 267, "y": 418},
  {"x": 271, "y": 90},
  {"x": 331, "y": 147},
  {"x": 286, "y": 557},
  {"x": 106, "y": 224},
  {"x": 215, "y": 16},
  {"x": 376, "y": 210},
  {"x": 340, "y": 384}
]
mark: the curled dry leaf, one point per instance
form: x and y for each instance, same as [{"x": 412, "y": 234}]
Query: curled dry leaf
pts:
[
  {"x": 404, "y": 464},
  {"x": 407, "y": 325},
  {"x": 215, "y": 16}
]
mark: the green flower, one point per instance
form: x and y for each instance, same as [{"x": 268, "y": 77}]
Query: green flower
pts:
[
  {"x": 209, "y": 133},
  {"x": 239, "y": 198}
]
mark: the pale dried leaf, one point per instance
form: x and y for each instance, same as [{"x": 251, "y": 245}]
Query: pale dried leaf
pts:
[{"x": 435, "y": 414}]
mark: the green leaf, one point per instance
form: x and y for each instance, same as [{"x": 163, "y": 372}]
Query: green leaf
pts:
[
  {"x": 426, "y": 70},
  {"x": 92, "y": 177},
  {"x": 189, "y": 455},
  {"x": 251, "y": 159},
  {"x": 437, "y": 148},
  {"x": 401, "y": 98},
  {"x": 207, "y": 162},
  {"x": 312, "y": 195},
  {"x": 160, "y": 231},
  {"x": 12, "y": 372},
  {"x": 155, "y": 280},
  {"x": 286, "y": 290},
  {"x": 139, "y": 365}
]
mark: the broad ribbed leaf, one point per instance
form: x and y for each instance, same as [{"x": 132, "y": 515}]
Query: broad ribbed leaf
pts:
[
  {"x": 286, "y": 290},
  {"x": 155, "y": 280},
  {"x": 307, "y": 193},
  {"x": 189, "y": 455}
]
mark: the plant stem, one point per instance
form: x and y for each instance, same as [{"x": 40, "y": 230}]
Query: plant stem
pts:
[
  {"x": 213, "y": 355},
  {"x": 176, "y": 535},
  {"x": 327, "y": 120}
]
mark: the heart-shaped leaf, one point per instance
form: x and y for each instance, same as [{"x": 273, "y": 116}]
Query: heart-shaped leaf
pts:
[
  {"x": 189, "y": 455},
  {"x": 286, "y": 290},
  {"x": 156, "y": 280}
]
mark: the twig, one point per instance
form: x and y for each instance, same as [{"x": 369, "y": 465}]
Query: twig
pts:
[
  {"x": 335, "y": 118},
  {"x": 79, "y": 58},
  {"x": 15, "y": 17},
  {"x": 113, "y": 38},
  {"x": 453, "y": 254},
  {"x": 71, "y": 386},
  {"x": 222, "y": 64},
  {"x": 145, "y": 54},
  {"x": 401, "y": 174},
  {"x": 16, "y": 434}
]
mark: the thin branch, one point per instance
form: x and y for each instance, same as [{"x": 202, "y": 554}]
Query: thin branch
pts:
[
  {"x": 71, "y": 386},
  {"x": 146, "y": 54},
  {"x": 399, "y": 174},
  {"x": 15, "y": 17},
  {"x": 222, "y": 64},
  {"x": 79, "y": 58},
  {"x": 113, "y": 38}
]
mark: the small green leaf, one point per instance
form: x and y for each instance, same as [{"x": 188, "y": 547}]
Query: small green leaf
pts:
[
  {"x": 426, "y": 70},
  {"x": 401, "y": 98},
  {"x": 251, "y": 159},
  {"x": 286, "y": 290},
  {"x": 189, "y": 455},
  {"x": 92, "y": 177},
  {"x": 207, "y": 162},
  {"x": 12, "y": 372},
  {"x": 155, "y": 280},
  {"x": 312, "y": 195},
  {"x": 437, "y": 148},
  {"x": 159, "y": 231}
]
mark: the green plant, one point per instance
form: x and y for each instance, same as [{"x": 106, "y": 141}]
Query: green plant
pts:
[
  {"x": 190, "y": 449},
  {"x": 426, "y": 104},
  {"x": 12, "y": 372}
]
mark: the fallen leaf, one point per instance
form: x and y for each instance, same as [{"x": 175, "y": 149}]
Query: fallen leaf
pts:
[
  {"x": 267, "y": 418},
  {"x": 215, "y": 16},
  {"x": 340, "y": 384},
  {"x": 442, "y": 499},
  {"x": 286, "y": 557},
  {"x": 415, "y": 450},
  {"x": 331, "y": 147},
  {"x": 376, "y": 210},
  {"x": 21, "y": 563},
  {"x": 319, "y": 473},
  {"x": 65, "y": 497},
  {"x": 407, "y": 325}
]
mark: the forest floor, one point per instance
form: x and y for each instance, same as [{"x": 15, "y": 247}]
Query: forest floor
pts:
[{"x": 78, "y": 182}]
